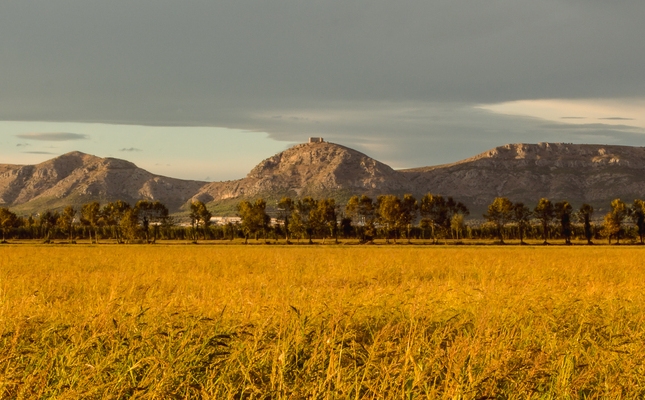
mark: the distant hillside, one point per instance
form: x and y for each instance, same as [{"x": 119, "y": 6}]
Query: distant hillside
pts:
[
  {"x": 579, "y": 173},
  {"x": 523, "y": 172},
  {"x": 75, "y": 178},
  {"x": 311, "y": 169}
]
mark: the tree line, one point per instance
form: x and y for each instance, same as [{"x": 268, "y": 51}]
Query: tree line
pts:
[
  {"x": 436, "y": 217},
  {"x": 389, "y": 217}
]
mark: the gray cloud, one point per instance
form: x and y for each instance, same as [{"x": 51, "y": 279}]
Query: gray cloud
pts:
[
  {"x": 158, "y": 61},
  {"x": 398, "y": 79},
  {"x": 594, "y": 127},
  {"x": 37, "y": 152},
  {"x": 22, "y": 144},
  {"x": 618, "y": 119},
  {"x": 130, "y": 149},
  {"x": 408, "y": 135},
  {"x": 53, "y": 137}
]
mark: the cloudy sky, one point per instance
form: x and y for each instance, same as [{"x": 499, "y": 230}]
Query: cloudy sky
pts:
[{"x": 206, "y": 89}]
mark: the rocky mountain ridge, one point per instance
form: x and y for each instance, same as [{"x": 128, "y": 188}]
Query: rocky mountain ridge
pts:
[
  {"x": 579, "y": 173},
  {"x": 523, "y": 172},
  {"x": 311, "y": 169},
  {"x": 75, "y": 177}
]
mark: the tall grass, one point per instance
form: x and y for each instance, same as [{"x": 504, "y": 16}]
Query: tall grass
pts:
[{"x": 309, "y": 322}]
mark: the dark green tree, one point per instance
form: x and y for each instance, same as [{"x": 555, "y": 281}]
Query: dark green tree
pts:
[
  {"x": 90, "y": 217},
  {"x": 254, "y": 218},
  {"x": 286, "y": 206},
  {"x": 563, "y": 211},
  {"x": 47, "y": 221},
  {"x": 585, "y": 214},
  {"x": 544, "y": 212},
  {"x": 111, "y": 216},
  {"x": 303, "y": 214},
  {"x": 437, "y": 213},
  {"x": 614, "y": 220},
  {"x": 500, "y": 212},
  {"x": 155, "y": 213},
  {"x": 362, "y": 211},
  {"x": 66, "y": 222},
  {"x": 8, "y": 221},
  {"x": 637, "y": 214},
  {"x": 388, "y": 209},
  {"x": 324, "y": 218},
  {"x": 199, "y": 217},
  {"x": 409, "y": 210},
  {"x": 522, "y": 217}
]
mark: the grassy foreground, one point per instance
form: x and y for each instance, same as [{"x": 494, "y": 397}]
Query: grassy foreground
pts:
[{"x": 310, "y": 322}]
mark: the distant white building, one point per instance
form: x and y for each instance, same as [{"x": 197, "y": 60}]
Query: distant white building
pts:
[
  {"x": 316, "y": 140},
  {"x": 225, "y": 220}
]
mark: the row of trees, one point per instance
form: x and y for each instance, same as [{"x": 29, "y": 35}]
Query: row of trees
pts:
[
  {"x": 503, "y": 211},
  {"x": 122, "y": 221},
  {"x": 390, "y": 217}
]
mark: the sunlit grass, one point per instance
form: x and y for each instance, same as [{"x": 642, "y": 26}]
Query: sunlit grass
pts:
[{"x": 321, "y": 322}]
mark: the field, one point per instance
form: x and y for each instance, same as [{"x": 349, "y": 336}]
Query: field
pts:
[{"x": 470, "y": 322}]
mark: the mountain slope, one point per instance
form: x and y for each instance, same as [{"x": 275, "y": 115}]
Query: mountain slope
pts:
[
  {"x": 526, "y": 172},
  {"x": 75, "y": 177},
  {"x": 311, "y": 169}
]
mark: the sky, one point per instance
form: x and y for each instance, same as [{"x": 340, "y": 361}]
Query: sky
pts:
[{"x": 205, "y": 90}]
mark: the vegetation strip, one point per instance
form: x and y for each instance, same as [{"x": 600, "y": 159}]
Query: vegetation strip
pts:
[{"x": 388, "y": 217}]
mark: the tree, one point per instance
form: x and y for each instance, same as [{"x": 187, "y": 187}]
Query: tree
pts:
[
  {"x": 545, "y": 213},
  {"x": 613, "y": 224},
  {"x": 457, "y": 224},
  {"x": 563, "y": 211},
  {"x": 285, "y": 208},
  {"x": 437, "y": 213},
  {"x": 637, "y": 214},
  {"x": 90, "y": 216},
  {"x": 361, "y": 210},
  {"x": 254, "y": 218},
  {"x": 156, "y": 213},
  {"x": 409, "y": 209},
  {"x": 346, "y": 227},
  {"x": 584, "y": 214},
  {"x": 389, "y": 211},
  {"x": 500, "y": 212},
  {"x": 112, "y": 214},
  {"x": 324, "y": 219},
  {"x": 129, "y": 225},
  {"x": 66, "y": 221},
  {"x": 47, "y": 221},
  {"x": 304, "y": 210},
  {"x": 522, "y": 217},
  {"x": 199, "y": 216},
  {"x": 8, "y": 221}
]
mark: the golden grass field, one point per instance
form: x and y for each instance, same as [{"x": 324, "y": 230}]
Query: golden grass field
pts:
[{"x": 338, "y": 322}]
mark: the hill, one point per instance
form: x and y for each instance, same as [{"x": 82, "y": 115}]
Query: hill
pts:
[
  {"x": 311, "y": 169},
  {"x": 76, "y": 178},
  {"x": 579, "y": 173}
]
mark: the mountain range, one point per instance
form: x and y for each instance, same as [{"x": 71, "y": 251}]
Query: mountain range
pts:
[{"x": 579, "y": 173}]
